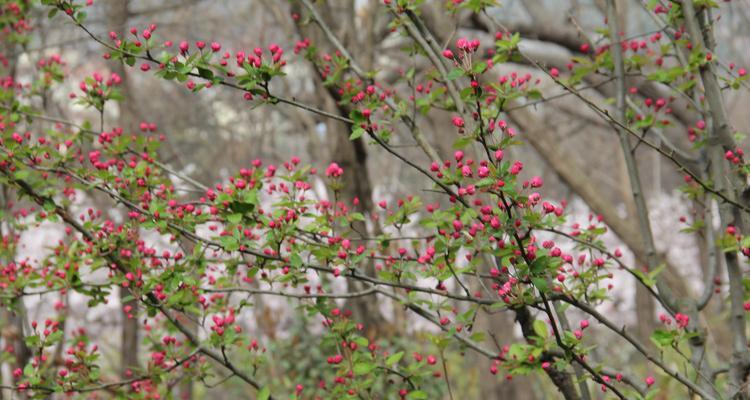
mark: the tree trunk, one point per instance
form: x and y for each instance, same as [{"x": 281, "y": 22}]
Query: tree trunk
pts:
[
  {"x": 351, "y": 155},
  {"x": 118, "y": 15},
  {"x": 12, "y": 323}
]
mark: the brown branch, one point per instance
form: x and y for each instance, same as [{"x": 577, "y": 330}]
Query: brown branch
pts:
[{"x": 350, "y": 295}]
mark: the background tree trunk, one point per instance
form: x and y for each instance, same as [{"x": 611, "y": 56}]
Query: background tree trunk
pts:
[{"x": 117, "y": 17}]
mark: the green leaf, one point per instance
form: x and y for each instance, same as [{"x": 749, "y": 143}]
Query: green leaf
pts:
[
  {"x": 484, "y": 182},
  {"x": 540, "y": 284},
  {"x": 540, "y": 328},
  {"x": 242, "y": 207},
  {"x": 54, "y": 337},
  {"x": 252, "y": 197},
  {"x": 644, "y": 277},
  {"x": 410, "y": 73},
  {"x": 151, "y": 311},
  {"x": 205, "y": 73},
  {"x": 356, "y": 133},
  {"x": 662, "y": 338},
  {"x": 417, "y": 394},
  {"x": 21, "y": 174},
  {"x": 264, "y": 393},
  {"x": 656, "y": 271},
  {"x": 31, "y": 341},
  {"x": 295, "y": 260},
  {"x": 394, "y": 358},
  {"x": 478, "y": 68},
  {"x": 81, "y": 16},
  {"x": 229, "y": 243},
  {"x": 357, "y": 217},
  {"x": 363, "y": 368},
  {"x": 455, "y": 74}
]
